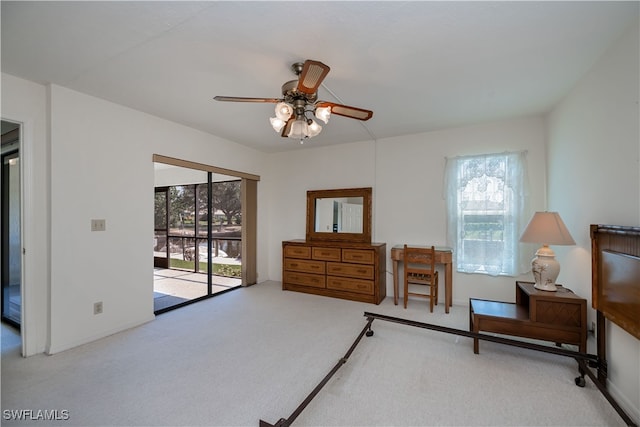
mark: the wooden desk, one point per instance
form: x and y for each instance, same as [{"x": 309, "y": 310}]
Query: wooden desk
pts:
[
  {"x": 559, "y": 317},
  {"x": 444, "y": 255}
]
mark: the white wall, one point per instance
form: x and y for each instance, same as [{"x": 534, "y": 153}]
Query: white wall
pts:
[
  {"x": 406, "y": 174},
  {"x": 100, "y": 167},
  {"x": 594, "y": 178},
  {"x": 410, "y": 203},
  {"x": 292, "y": 174}
]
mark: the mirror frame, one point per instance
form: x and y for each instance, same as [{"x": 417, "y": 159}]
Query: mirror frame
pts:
[{"x": 313, "y": 195}]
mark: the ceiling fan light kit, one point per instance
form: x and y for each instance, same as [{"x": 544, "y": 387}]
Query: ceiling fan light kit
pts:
[
  {"x": 299, "y": 98},
  {"x": 323, "y": 113},
  {"x": 283, "y": 111},
  {"x": 277, "y": 123}
]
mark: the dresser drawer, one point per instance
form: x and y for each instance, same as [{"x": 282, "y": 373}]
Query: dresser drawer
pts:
[
  {"x": 350, "y": 270},
  {"x": 326, "y": 254},
  {"x": 297, "y": 251},
  {"x": 362, "y": 256},
  {"x": 304, "y": 279},
  {"x": 293, "y": 264},
  {"x": 352, "y": 285}
]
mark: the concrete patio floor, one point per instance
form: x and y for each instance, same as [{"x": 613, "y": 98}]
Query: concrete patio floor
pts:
[{"x": 171, "y": 287}]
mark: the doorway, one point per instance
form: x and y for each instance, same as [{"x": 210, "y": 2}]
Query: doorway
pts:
[{"x": 10, "y": 224}]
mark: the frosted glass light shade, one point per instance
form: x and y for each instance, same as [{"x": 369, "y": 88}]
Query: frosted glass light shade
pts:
[
  {"x": 299, "y": 129},
  {"x": 283, "y": 111},
  {"x": 314, "y": 129},
  {"x": 277, "y": 123},
  {"x": 323, "y": 113}
]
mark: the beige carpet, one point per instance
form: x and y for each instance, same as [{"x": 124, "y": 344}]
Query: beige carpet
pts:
[{"x": 255, "y": 353}]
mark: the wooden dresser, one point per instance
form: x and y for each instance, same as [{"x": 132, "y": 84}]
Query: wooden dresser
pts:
[{"x": 354, "y": 271}]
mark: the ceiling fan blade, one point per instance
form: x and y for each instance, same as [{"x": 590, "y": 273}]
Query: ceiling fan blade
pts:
[
  {"x": 347, "y": 111},
  {"x": 240, "y": 99},
  {"x": 312, "y": 75}
]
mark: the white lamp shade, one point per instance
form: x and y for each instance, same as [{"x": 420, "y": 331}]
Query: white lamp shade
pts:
[
  {"x": 547, "y": 228},
  {"x": 323, "y": 113},
  {"x": 314, "y": 129},
  {"x": 283, "y": 111},
  {"x": 277, "y": 123},
  {"x": 299, "y": 129}
]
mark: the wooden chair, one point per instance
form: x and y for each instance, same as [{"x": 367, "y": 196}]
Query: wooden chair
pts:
[{"x": 420, "y": 269}]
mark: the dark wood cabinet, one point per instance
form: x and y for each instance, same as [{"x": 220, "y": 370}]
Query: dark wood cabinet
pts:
[
  {"x": 354, "y": 271},
  {"x": 559, "y": 317}
]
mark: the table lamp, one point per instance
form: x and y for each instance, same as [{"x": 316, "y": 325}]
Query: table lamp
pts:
[{"x": 546, "y": 228}]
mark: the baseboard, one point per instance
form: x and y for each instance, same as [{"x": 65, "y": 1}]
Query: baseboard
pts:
[
  {"x": 628, "y": 407},
  {"x": 57, "y": 348}
]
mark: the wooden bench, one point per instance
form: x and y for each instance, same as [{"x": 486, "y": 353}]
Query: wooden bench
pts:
[{"x": 559, "y": 317}]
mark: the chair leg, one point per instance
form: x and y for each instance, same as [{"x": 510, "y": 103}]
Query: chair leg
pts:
[
  {"x": 406, "y": 291},
  {"x": 431, "y": 295}
]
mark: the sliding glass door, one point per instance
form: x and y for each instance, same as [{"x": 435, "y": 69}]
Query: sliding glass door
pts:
[{"x": 197, "y": 236}]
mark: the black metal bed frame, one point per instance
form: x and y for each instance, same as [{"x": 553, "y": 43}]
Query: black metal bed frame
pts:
[{"x": 585, "y": 362}]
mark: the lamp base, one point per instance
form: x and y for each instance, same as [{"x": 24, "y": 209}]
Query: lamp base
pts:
[
  {"x": 545, "y": 269},
  {"x": 547, "y": 287}
]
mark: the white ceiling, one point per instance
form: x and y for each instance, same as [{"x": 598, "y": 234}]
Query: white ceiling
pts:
[{"x": 419, "y": 66}]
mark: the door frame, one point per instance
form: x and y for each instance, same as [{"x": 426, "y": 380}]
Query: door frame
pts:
[
  {"x": 25, "y": 215},
  {"x": 162, "y": 262},
  {"x": 4, "y": 243}
]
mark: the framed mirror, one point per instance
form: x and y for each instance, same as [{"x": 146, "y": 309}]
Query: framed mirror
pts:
[{"x": 339, "y": 215}]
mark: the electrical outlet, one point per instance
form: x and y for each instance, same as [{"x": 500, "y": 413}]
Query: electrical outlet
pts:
[
  {"x": 98, "y": 225},
  {"x": 97, "y": 307}
]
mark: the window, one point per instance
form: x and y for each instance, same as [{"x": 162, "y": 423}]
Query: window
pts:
[{"x": 487, "y": 209}]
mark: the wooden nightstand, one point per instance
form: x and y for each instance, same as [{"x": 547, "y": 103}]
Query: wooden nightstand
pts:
[{"x": 559, "y": 317}]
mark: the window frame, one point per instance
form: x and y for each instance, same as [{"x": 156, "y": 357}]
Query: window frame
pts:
[{"x": 512, "y": 211}]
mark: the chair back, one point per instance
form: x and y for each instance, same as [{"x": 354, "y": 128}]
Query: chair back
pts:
[{"x": 419, "y": 260}]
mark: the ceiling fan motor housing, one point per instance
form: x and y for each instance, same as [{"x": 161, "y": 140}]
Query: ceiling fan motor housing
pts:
[{"x": 291, "y": 93}]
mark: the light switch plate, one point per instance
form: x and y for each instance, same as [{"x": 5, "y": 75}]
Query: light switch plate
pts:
[{"x": 98, "y": 225}]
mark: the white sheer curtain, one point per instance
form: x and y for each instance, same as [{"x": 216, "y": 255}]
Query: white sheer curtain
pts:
[{"x": 487, "y": 198}]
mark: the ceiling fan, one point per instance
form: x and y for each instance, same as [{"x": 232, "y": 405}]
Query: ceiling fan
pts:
[{"x": 300, "y": 97}]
